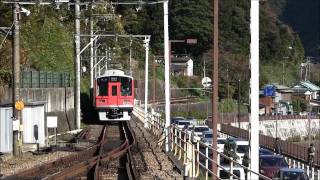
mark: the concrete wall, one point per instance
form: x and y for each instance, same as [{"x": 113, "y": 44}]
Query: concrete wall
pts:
[
  {"x": 57, "y": 99},
  {"x": 286, "y": 128},
  {"x": 59, "y": 102}
]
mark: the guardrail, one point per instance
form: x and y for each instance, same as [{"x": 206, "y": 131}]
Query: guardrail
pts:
[
  {"x": 193, "y": 154},
  {"x": 296, "y": 155}
]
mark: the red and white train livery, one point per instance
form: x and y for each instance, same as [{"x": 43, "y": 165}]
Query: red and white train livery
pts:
[{"x": 114, "y": 96}]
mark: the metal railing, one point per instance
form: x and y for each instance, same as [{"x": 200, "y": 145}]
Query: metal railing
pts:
[
  {"x": 296, "y": 155},
  {"x": 193, "y": 154}
]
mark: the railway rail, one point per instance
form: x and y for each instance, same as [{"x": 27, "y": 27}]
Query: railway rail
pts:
[{"x": 87, "y": 162}]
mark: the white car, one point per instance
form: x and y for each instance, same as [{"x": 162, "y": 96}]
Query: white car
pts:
[
  {"x": 198, "y": 130},
  {"x": 175, "y": 120},
  {"x": 207, "y": 138},
  {"x": 183, "y": 124},
  {"x": 242, "y": 148},
  {"x": 220, "y": 144}
]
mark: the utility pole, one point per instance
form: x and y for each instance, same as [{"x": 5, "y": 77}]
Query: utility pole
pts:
[
  {"x": 166, "y": 72},
  {"x": 228, "y": 88},
  {"x": 17, "y": 141},
  {"x": 215, "y": 86},
  {"x": 254, "y": 89},
  {"x": 77, "y": 63},
  {"x": 154, "y": 81},
  {"x": 146, "y": 45},
  {"x": 130, "y": 56},
  {"x": 91, "y": 53},
  {"x": 239, "y": 103}
]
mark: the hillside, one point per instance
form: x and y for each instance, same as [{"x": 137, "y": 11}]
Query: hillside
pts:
[
  {"x": 47, "y": 42},
  {"x": 304, "y": 18}
]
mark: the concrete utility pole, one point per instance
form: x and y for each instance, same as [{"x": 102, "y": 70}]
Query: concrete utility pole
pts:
[
  {"x": 154, "y": 81},
  {"x": 166, "y": 72},
  {"x": 239, "y": 87},
  {"x": 77, "y": 63},
  {"x": 17, "y": 141},
  {"x": 146, "y": 81},
  {"x": 215, "y": 86},
  {"x": 91, "y": 53},
  {"x": 254, "y": 89},
  {"x": 130, "y": 57}
]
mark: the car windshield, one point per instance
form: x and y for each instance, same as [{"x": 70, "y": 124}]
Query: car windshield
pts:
[
  {"x": 242, "y": 149},
  {"x": 273, "y": 161},
  {"x": 208, "y": 135},
  {"x": 201, "y": 129},
  {"x": 183, "y": 123},
  {"x": 221, "y": 141},
  {"x": 265, "y": 152},
  {"x": 293, "y": 175}
]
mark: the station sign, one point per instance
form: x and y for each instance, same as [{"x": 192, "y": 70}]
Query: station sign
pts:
[
  {"x": 206, "y": 82},
  {"x": 52, "y": 121},
  {"x": 191, "y": 41}
]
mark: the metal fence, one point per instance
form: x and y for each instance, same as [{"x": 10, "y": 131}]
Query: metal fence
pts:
[
  {"x": 195, "y": 155},
  {"x": 45, "y": 79},
  {"x": 287, "y": 148}
]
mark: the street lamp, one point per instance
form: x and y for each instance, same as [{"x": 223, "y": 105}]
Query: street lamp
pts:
[{"x": 308, "y": 95}]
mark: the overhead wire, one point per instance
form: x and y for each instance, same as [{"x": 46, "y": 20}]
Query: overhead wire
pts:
[{"x": 5, "y": 37}]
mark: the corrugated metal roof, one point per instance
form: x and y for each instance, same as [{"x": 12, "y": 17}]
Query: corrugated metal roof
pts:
[{"x": 310, "y": 85}]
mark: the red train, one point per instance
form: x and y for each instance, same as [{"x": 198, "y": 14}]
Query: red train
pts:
[{"x": 114, "y": 96}]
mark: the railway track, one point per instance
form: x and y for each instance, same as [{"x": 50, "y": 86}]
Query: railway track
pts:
[
  {"x": 113, "y": 143},
  {"x": 178, "y": 100}
]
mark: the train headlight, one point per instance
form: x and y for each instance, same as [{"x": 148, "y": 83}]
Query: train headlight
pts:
[
  {"x": 126, "y": 101},
  {"x": 101, "y": 100}
]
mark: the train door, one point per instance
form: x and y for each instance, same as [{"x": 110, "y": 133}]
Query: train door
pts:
[{"x": 114, "y": 89}]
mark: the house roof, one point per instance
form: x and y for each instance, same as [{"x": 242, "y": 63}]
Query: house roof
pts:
[
  {"x": 279, "y": 88},
  {"x": 310, "y": 86},
  {"x": 180, "y": 59}
]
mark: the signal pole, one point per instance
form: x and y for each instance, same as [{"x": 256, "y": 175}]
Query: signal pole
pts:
[{"x": 17, "y": 141}]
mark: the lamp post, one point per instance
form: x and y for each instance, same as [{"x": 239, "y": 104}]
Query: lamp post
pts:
[{"x": 308, "y": 95}]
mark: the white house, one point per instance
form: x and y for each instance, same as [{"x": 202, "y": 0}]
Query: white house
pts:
[{"x": 182, "y": 66}]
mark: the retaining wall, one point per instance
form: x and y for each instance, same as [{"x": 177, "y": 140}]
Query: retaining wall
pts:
[{"x": 58, "y": 101}]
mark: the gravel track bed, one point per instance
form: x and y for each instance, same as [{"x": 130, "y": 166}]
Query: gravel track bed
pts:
[
  {"x": 94, "y": 132},
  {"x": 11, "y": 165},
  {"x": 149, "y": 160},
  {"x": 109, "y": 170}
]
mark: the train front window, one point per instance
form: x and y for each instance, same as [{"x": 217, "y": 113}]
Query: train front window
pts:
[
  {"x": 126, "y": 86},
  {"x": 102, "y": 86},
  {"x": 114, "y": 90}
]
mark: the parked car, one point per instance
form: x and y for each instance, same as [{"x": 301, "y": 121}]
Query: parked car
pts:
[
  {"x": 174, "y": 120},
  {"x": 197, "y": 131},
  {"x": 220, "y": 144},
  {"x": 207, "y": 138},
  {"x": 192, "y": 120},
  {"x": 237, "y": 171},
  {"x": 242, "y": 146},
  {"x": 183, "y": 124},
  {"x": 291, "y": 173},
  {"x": 263, "y": 151},
  {"x": 269, "y": 165}
]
